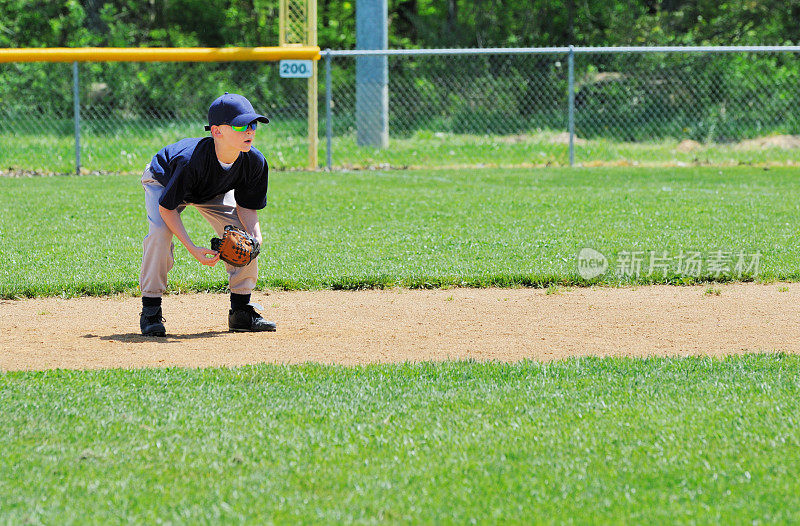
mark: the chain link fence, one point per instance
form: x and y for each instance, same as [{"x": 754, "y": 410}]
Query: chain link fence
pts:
[
  {"x": 454, "y": 110},
  {"x": 445, "y": 108},
  {"x": 129, "y": 110},
  {"x": 520, "y": 108},
  {"x": 706, "y": 97}
]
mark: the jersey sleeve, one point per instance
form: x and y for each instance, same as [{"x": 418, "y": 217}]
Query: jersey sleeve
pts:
[
  {"x": 252, "y": 191},
  {"x": 175, "y": 189}
]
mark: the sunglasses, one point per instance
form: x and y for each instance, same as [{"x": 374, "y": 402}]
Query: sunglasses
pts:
[{"x": 252, "y": 125}]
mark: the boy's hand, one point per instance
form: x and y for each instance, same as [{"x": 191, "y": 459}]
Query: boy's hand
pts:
[{"x": 205, "y": 256}]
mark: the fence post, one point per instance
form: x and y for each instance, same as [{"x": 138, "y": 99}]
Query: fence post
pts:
[
  {"x": 372, "y": 74},
  {"x": 76, "y": 110},
  {"x": 571, "y": 81},
  {"x": 328, "y": 104}
]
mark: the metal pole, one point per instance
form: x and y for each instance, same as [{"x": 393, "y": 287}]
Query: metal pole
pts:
[
  {"x": 76, "y": 110},
  {"x": 313, "y": 87},
  {"x": 571, "y": 68},
  {"x": 328, "y": 105},
  {"x": 557, "y": 50},
  {"x": 372, "y": 74},
  {"x": 313, "y": 122}
]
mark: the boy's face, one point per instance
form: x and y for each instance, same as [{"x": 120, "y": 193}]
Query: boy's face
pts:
[{"x": 232, "y": 139}]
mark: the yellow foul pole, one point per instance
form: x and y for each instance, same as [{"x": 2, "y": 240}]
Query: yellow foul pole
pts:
[{"x": 298, "y": 30}]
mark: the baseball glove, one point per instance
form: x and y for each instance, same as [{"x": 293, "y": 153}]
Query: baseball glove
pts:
[{"x": 236, "y": 247}]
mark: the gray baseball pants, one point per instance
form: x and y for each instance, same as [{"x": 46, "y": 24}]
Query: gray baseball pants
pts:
[{"x": 158, "y": 248}]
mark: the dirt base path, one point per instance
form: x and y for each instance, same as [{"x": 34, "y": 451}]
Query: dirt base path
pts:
[{"x": 399, "y": 325}]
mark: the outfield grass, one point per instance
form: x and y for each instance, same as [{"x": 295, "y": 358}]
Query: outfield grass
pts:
[
  {"x": 127, "y": 150},
  {"x": 428, "y": 149},
  {"x": 610, "y": 441},
  {"x": 490, "y": 227},
  {"x": 115, "y": 148}
]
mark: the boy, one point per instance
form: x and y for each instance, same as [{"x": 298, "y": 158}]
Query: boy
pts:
[{"x": 225, "y": 178}]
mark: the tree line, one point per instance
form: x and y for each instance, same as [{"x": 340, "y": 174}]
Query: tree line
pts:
[
  {"x": 412, "y": 23},
  {"x": 635, "y": 97}
]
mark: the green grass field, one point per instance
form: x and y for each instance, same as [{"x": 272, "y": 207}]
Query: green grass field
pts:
[
  {"x": 583, "y": 441},
  {"x": 690, "y": 440},
  {"x": 480, "y": 227},
  {"x": 111, "y": 147}
]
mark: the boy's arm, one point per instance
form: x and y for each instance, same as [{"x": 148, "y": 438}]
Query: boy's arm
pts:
[
  {"x": 249, "y": 219},
  {"x": 173, "y": 221}
]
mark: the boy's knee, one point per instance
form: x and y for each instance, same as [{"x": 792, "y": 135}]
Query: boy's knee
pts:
[{"x": 160, "y": 233}]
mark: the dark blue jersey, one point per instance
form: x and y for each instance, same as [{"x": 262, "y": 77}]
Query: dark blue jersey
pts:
[{"x": 190, "y": 172}]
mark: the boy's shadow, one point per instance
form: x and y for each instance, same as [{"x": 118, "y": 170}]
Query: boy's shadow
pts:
[{"x": 135, "y": 337}]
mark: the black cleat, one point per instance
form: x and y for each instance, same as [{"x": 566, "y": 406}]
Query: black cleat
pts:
[
  {"x": 151, "y": 322},
  {"x": 246, "y": 319}
]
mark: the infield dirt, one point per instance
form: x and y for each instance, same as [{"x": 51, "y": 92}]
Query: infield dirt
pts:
[{"x": 357, "y": 327}]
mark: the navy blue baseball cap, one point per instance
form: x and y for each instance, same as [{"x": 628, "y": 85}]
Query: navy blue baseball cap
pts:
[{"x": 232, "y": 109}]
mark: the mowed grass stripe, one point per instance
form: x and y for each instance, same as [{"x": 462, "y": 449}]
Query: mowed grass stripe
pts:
[
  {"x": 584, "y": 440},
  {"x": 491, "y": 227},
  {"x": 126, "y": 147}
]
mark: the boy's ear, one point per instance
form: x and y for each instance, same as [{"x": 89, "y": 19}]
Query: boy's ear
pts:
[{"x": 215, "y": 131}]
